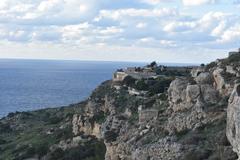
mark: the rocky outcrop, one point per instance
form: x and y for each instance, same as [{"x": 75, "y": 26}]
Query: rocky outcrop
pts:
[
  {"x": 233, "y": 121},
  {"x": 204, "y": 78},
  {"x": 220, "y": 83},
  {"x": 188, "y": 124},
  {"x": 164, "y": 149},
  {"x": 84, "y": 125},
  {"x": 196, "y": 71},
  {"x": 188, "y": 103}
]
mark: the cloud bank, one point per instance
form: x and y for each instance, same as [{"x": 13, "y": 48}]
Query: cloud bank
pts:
[{"x": 157, "y": 28}]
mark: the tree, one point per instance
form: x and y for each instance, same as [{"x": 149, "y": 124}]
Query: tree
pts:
[
  {"x": 153, "y": 64},
  {"x": 129, "y": 81},
  {"x": 141, "y": 85}
]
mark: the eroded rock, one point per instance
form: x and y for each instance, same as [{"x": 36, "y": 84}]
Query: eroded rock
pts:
[{"x": 233, "y": 119}]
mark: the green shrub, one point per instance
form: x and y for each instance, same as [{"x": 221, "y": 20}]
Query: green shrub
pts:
[
  {"x": 160, "y": 86},
  {"x": 41, "y": 149},
  {"x": 94, "y": 150},
  {"x": 100, "y": 117},
  {"x": 57, "y": 154},
  {"x": 129, "y": 81},
  {"x": 211, "y": 65},
  {"x": 133, "y": 118},
  {"x": 141, "y": 85},
  {"x": 4, "y": 128},
  {"x": 54, "y": 120},
  {"x": 163, "y": 97},
  {"x": 2, "y": 141},
  {"x": 234, "y": 58},
  {"x": 64, "y": 133}
]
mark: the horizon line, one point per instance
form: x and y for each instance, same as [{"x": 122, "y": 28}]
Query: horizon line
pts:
[{"x": 94, "y": 60}]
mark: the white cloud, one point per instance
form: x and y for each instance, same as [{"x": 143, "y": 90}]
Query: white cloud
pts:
[
  {"x": 48, "y": 5},
  {"x": 146, "y": 39},
  {"x": 132, "y": 12},
  {"x": 3, "y": 4},
  {"x": 154, "y": 2},
  {"x": 230, "y": 35},
  {"x": 111, "y": 30},
  {"x": 179, "y": 26},
  {"x": 219, "y": 29},
  {"x": 144, "y": 24},
  {"x": 141, "y": 25},
  {"x": 47, "y": 11},
  {"x": 198, "y": 2}
]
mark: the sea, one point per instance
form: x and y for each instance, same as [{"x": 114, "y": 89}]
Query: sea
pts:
[{"x": 27, "y": 85}]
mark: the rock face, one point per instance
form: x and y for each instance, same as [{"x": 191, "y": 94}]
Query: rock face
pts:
[
  {"x": 158, "y": 132},
  {"x": 233, "y": 121},
  {"x": 188, "y": 102},
  {"x": 185, "y": 121},
  {"x": 82, "y": 124},
  {"x": 189, "y": 124}
]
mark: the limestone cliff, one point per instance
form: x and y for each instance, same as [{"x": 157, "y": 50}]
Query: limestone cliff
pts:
[
  {"x": 233, "y": 121},
  {"x": 176, "y": 116},
  {"x": 187, "y": 122}
]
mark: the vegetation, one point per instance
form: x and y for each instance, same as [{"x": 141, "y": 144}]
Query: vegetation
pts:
[
  {"x": 26, "y": 135},
  {"x": 129, "y": 81},
  {"x": 100, "y": 117},
  {"x": 103, "y": 90},
  {"x": 92, "y": 150},
  {"x": 211, "y": 65},
  {"x": 141, "y": 85},
  {"x": 232, "y": 59},
  {"x": 159, "y": 86},
  {"x": 134, "y": 118}
]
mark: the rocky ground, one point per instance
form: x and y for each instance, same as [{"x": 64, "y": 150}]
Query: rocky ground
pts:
[{"x": 196, "y": 118}]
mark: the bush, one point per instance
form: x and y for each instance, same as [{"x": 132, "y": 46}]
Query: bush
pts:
[
  {"x": 234, "y": 58},
  {"x": 64, "y": 133},
  {"x": 141, "y": 85},
  {"x": 163, "y": 97},
  {"x": 211, "y": 65},
  {"x": 129, "y": 81},
  {"x": 133, "y": 118},
  {"x": 2, "y": 141},
  {"x": 4, "y": 128},
  {"x": 160, "y": 86},
  {"x": 100, "y": 117},
  {"x": 94, "y": 150},
  {"x": 57, "y": 154},
  {"x": 41, "y": 149},
  {"x": 54, "y": 120},
  {"x": 24, "y": 152}
]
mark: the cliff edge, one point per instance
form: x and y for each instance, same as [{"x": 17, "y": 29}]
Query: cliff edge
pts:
[{"x": 151, "y": 113}]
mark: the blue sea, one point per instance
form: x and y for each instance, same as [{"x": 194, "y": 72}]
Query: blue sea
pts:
[{"x": 36, "y": 84}]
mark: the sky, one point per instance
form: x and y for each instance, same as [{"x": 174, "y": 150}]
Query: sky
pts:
[{"x": 182, "y": 31}]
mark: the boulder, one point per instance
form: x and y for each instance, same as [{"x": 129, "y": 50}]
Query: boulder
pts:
[
  {"x": 192, "y": 93},
  {"x": 209, "y": 94},
  {"x": 231, "y": 70},
  {"x": 85, "y": 125},
  {"x": 220, "y": 83},
  {"x": 233, "y": 119},
  {"x": 204, "y": 78},
  {"x": 196, "y": 71}
]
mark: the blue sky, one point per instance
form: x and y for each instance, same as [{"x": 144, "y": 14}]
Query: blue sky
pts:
[{"x": 183, "y": 31}]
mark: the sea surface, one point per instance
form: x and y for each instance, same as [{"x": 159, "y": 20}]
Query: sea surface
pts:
[{"x": 36, "y": 84}]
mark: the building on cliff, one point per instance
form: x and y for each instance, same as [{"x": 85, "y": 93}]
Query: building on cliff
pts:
[
  {"x": 137, "y": 73},
  {"x": 234, "y": 52},
  {"x": 119, "y": 76}
]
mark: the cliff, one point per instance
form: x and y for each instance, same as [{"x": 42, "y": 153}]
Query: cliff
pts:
[{"x": 172, "y": 117}]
